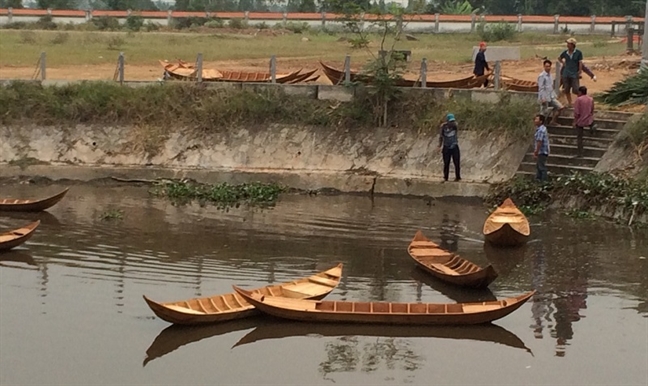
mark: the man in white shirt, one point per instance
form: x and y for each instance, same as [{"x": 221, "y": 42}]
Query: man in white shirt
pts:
[{"x": 546, "y": 94}]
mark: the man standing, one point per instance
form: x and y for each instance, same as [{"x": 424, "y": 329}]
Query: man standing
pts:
[
  {"x": 546, "y": 94},
  {"x": 449, "y": 145},
  {"x": 583, "y": 116},
  {"x": 572, "y": 60},
  {"x": 481, "y": 65},
  {"x": 541, "y": 147}
]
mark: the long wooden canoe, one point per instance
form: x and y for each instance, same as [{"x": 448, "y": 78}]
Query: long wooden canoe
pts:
[
  {"x": 279, "y": 329},
  {"x": 21, "y": 205},
  {"x": 18, "y": 236},
  {"x": 384, "y": 312},
  {"x": 507, "y": 226},
  {"x": 187, "y": 71},
  {"x": 519, "y": 85},
  {"x": 220, "y": 308},
  {"x": 337, "y": 77},
  {"x": 448, "y": 266}
]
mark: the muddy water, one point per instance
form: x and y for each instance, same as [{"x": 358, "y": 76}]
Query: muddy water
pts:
[{"x": 71, "y": 308}]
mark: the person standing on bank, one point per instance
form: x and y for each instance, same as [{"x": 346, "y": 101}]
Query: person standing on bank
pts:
[
  {"x": 449, "y": 145},
  {"x": 546, "y": 94},
  {"x": 572, "y": 60},
  {"x": 541, "y": 147},
  {"x": 481, "y": 65},
  {"x": 583, "y": 116}
]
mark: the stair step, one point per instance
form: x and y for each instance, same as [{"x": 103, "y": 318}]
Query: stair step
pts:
[
  {"x": 554, "y": 169},
  {"x": 565, "y": 160},
  {"x": 598, "y": 143},
  {"x": 608, "y": 124},
  {"x": 560, "y": 149},
  {"x": 569, "y": 130},
  {"x": 602, "y": 114}
]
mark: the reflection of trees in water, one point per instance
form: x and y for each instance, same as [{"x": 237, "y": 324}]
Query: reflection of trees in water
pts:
[{"x": 348, "y": 354}]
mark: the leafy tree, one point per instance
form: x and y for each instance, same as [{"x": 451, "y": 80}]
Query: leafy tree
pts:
[
  {"x": 56, "y": 4},
  {"x": 15, "y": 4}
]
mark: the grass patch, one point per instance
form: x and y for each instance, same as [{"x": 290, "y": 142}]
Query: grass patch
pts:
[
  {"x": 222, "y": 195},
  {"x": 146, "y": 48},
  {"x": 112, "y": 214},
  {"x": 192, "y": 106}
]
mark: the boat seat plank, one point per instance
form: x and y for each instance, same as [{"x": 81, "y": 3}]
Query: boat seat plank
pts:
[
  {"x": 443, "y": 268},
  {"x": 323, "y": 281},
  {"x": 481, "y": 307},
  {"x": 184, "y": 310}
]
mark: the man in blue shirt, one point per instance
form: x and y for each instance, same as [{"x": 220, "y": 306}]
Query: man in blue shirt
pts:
[
  {"x": 572, "y": 60},
  {"x": 541, "y": 147},
  {"x": 449, "y": 145},
  {"x": 481, "y": 65}
]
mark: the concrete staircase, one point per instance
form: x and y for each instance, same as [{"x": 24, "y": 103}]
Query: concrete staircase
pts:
[{"x": 563, "y": 142}]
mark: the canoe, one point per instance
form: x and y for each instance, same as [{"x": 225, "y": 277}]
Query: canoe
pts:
[
  {"x": 337, "y": 77},
  {"x": 448, "y": 266},
  {"x": 384, "y": 312},
  {"x": 187, "y": 71},
  {"x": 270, "y": 329},
  {"x": 513, "y": 84},
  {"x": 18, "y": 236},
  {"x": 507, "y": 226},
  {"x": 219, "y": 308},
  {"x": 17, "y": 205}
]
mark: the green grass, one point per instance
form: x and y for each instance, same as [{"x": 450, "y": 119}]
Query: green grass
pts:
[{"x": 23, "y": 47}]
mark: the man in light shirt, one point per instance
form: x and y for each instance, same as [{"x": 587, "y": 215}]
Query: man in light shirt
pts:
[{"x": 546, "y": 94}]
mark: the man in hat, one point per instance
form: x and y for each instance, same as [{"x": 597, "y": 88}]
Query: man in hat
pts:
[
  {"x": 572, "y": 60},
  {"x": 449, "y": 145},
  {"x": 481, "y": 65}
]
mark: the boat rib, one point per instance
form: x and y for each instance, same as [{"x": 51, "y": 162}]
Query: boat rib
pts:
[
  {"x": 18, "y": 236},
  {"x": 507, "y": 226},
  {"x": 384, "y": 312},
  {"x": 448, "y": 266},
  {"x": 219, "y": 308}
]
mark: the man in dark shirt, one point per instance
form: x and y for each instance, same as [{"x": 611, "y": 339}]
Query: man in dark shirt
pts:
[
  {"x": 449, "y": 145},
  {"x": 572, "y": 60},
  {"x": 481, "y": 65}
]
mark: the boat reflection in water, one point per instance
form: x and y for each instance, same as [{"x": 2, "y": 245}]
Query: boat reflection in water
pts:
[
  {"x": 9, "y": 258},
  {"x": 176, "y": 336},
  {"x": 273, "y": 328},
  {"x": 456, "y": 293}
]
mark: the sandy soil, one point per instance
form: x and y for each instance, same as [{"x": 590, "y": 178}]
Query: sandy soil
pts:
[{"x": 608, "y": 70}]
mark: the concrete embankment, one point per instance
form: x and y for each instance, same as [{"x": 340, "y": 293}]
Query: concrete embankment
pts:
[{"x": 391, "y": 160}]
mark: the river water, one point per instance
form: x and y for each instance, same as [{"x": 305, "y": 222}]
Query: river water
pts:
[{"x": 72, "y": 313}]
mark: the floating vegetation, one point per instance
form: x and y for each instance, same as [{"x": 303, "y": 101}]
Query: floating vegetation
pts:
[
  {"x": 112, "y": 214},
  {"x": 223, "y": 195}
]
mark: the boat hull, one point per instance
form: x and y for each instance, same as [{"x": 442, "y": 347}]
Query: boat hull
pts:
[
  {"x": 506, "y": 236},
  {"x": 11, "y": 205},
  {"x": 18, "y": 236}
]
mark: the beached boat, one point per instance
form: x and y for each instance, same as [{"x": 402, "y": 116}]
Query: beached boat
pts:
[
  {"x": 187, "y": 71},
  {"x": 384, "y": 312},
  {"x": 513, "y": 84},
  {"x": 337, "y": 77},
  {"x": 18, "y": 236},
  {"x": 20, "y": 205},
  {"x": 507, "y": 226},
  {"x": 448, "y": 266},
  {"x": 220, "y": 308}
]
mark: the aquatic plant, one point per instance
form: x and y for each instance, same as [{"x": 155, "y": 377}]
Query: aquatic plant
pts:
[
  {"x": 112, "y": 214},
  {"x": 223, "y": 195}
]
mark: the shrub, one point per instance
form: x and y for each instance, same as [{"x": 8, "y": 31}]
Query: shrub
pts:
[
  {"x": 28, "y": 37},
  {"x": 115, "y": 42},
  {"x": 105, "y": 23},
  {"x": 60, "y": 38},
  {"x": 237, "y": 23},
  {"x": 496, "y": 32},
  {"x": 215, "y": 23},
  {"x": 297, "y": 27},
  {"x": 134, "y": 23}
]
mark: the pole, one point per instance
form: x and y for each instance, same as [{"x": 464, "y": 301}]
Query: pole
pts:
[
  {"x": 347, "y": 69},
  {"x": 498, "y": 73},
  {"x": 424, "y": 73},
  {"x": 644, "y": 60},
  {"x": 199, "y": 68},
  {"x": 273, "y": 69},
  {"x": 43, "y": 66},
  {"x": 121, "y": 68}
]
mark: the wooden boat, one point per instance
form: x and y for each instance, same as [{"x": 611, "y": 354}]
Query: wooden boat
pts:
[
  {"x": 337, "y": 77},
  {"x": 16, "y": 205},
  {"x": 187, "y": 71},
  {"x": 18, "y": 236},
  {"x": 269, "y": 329},
  {"x": 507, "y": 226},
  {"x": 448, "y": 266},
  {"x": 519, "y": 85},
  {"x": 384, "y": 312},
  {"x": 220, "y": 308}
]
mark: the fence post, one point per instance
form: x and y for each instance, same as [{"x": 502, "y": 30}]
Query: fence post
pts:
[
  {"x": 424, "y": 73},
  {"x": 613, "y": 31},
  {"x": 473, "y": 21},
  {"x": 436, "y": 22},
  {"x": 273, "y": 69},
  {"x": 519, "y": 22},
  {"x": 593, "y": 24},
  {"x": 630, "y": 36},
  {"x": 169, "y": 17},
  {"x": 347, "y": 69},
  {"x": 246, "y": 16},
  {"x": 199, "y": 67},
  {"x": 498, "y": 71},
  {"x": 628, "y": 22},
  {"x": 323, "y": 19},
  {"x": 49, "y": 11},
  {"x": 285, "y": 17},
  {"x": 558, "y": 77},
  {"x": 128, "y": 12},
  {"x": 9, "y": 14},
  {"x": 121, "y": 68},
  {"x": 43, "y": 66},
  {"x": 556, "y": 24}
]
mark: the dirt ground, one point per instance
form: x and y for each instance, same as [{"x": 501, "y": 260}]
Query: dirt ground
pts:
[{"x": 607, "y": 69}]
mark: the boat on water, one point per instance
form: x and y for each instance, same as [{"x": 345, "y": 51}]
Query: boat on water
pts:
[
  {"x": 384, "y": 312},
  {"x": 220, "y": 308},
  {"x": 507, "y": 226},
  {"x": 18, "y": 236},
  {"x": 448, "y": 266},
  {"x": 22, "y": 205}
]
